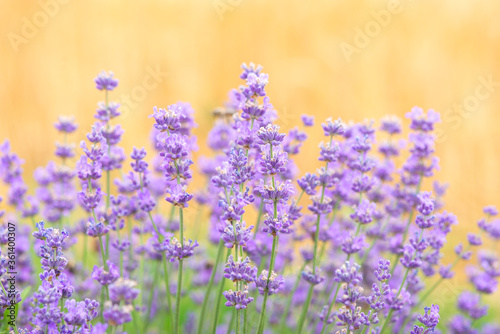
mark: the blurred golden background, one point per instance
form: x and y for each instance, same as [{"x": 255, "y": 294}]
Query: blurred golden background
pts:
[{"x": 351, "y": 59}]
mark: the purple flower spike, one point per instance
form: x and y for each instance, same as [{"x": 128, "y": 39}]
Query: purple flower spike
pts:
[
  {"x": 240, "y": 271},
  {"x": 270, "y": 135},
  {"x": 96, "y": 229},
  {"x": 391, "y": 125},
  {"x": 280, "y": 193},
  {"x": 178, "y": 196},
  {"x": 177, "y": 251},
  {"x": 331, "y": 128},
  {"x": 66, "y": 124},
  {"x": 490, "y": 210},
  {"x": 364, "y": 212},
  {"x": 313, "y": 279},
  {"x": 117, "y": 315},
  {"x": 426, "y": 204},
  {"x": 167, "y": 120},
  {"x": 474, "y": 239},
  {"x": 146, "y": 201},
  {"x": 237, "y": 299},
  {"x": 106, "y": 277},
  {"x": 308, "y": 183},
  {"x": 237, "y": 235},
  {"x": 123, "y": 290},
  {"x": 469, "y": 303},
  {"x": 90, "y": 199},
  {"x": 272, "y": 286},
  {"x": 348, "y": 273},
  {"x": 251, "y": 68},
  {"x": 105, "y": 81},
  {"x": 431, "y": 317},
  {"x": 307, "y": 120},
  {"x": 279, "y": 225}
]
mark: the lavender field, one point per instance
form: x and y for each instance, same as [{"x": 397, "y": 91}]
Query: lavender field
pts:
[
  {"x": 346, "y": 248},
  {"x": 249, "y": 167}
]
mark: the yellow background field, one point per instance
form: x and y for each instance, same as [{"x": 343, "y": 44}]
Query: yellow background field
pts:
[{"x": 341, "y": 58}]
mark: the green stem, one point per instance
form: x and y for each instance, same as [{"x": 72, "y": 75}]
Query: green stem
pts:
[
  {"x": 245, "y": 321},
  {"x": 259, "y": 215},
  {"x": 238, "y": 321},
  {"x": 271, "y": 267},
  {"x": 85, "y": 247},
  {"x": 219, "y": 297},
  {"x": 228, "y": 331},
  {"x": 178, "y": 299},
  {"x": 179, "y": 277},
  {"x": 209, "y": 288},
  {"x": 155, "y": 280},
  {"x": 407, "y": 228},
  {"x": 289, "y": 300},
  {"x": 167, "y": 286},
  {"x": 304, "y": 309}
]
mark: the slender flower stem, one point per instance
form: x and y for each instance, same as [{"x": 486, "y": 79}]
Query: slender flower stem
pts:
[
  {"x": 238, "y": 321},
  {"x": 103, "y": 256},
  {"x": 209, "y": 288},
  {"x": 228, "y": 331},
  {"x": 266, "y": 293},
  {"x": 245, "y": 321},
  {"x": 178, "y": 299},
  {"x": 289, "y": 300},
  {"x": 407, "y": 228},
  {"x": 85, "y": 247},
  {"x": 219, "y": 297},
  {"x": 389, "y": 315},
  {"x": 304, "y": 309},
  {"x": 167, "y": 286},
  {"x": 121, "y": 252},
  {"x": 179, "y": 277},
  {"x": 164, "y": 260},
  {"x": 259, "y": 215},
  {"x": 358, "y": 229},
  {"x": 155, "y": 280}
]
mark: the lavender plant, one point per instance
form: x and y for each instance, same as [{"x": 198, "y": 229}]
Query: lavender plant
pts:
[{"x": 358, "y": 246}]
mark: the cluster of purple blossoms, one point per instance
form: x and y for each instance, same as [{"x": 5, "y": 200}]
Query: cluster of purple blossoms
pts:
[
  {"x": 366, "y": 202},
  {"x": 47, "y": 312}
]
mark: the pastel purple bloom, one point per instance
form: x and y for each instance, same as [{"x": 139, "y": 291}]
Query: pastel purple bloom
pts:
[
  {"x": 333, "y": 128},
  {"x": 421, "y": 121},
  {"x": 391, "y": 125},
  {"x": 106, "y": 277},
  {"x": 430, "y": 319},
  {"x": 237, "y": 235},
  {"x": 176, "y": 251},
  {"x": 105, "y": 81},
  {"x": 307, "y": 120},
  {"x": 116, "y": 314},
  {"x": 364, "y": 212},
  {"x": 237, "y": 299},
  {"x": 123, "y": 290},
  {"x": 490, "y": 210},
  {"x": 308, "y": 183},
  {"x": 178, "y": 196},
  {"x": 240, "y": 270},
  {"x": 313, "y": 279},
  {"x": 274, "y": 285},
  {"x": 470, "y": 303},
  {"x": 66, "y": 124},
  {"x": 279, "y": 225},
  {"x": 167, "y": 119}
]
